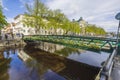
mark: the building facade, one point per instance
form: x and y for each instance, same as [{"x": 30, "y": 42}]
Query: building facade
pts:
[
  {"x": 28, "y": 30},
  {"x": 83, "y": 24},
  {"x": 20, "y": 28}
]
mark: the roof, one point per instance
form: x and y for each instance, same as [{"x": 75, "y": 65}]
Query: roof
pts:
[
  {"x": 18, "y": 16},
  {"x": 81, "y": 19}
]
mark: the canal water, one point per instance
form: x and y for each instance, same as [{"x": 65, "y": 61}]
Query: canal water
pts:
[{"x": 48, "y": 61}]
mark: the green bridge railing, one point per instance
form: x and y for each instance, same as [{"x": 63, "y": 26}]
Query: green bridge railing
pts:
[{"x": 85, "y": 41}]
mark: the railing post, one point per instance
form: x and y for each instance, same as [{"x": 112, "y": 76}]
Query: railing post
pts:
[
  {"x": 118, "y": 49},
  {"x": 107, "y": 68}
]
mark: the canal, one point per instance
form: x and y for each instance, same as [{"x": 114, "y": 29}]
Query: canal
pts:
[{"x": 48, "y": 61}]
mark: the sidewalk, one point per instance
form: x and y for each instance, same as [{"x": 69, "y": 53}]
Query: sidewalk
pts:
[{"x": 115, "y": 74}]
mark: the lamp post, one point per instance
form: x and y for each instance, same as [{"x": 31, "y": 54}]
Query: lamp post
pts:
[{"x": 118, "y": 44}]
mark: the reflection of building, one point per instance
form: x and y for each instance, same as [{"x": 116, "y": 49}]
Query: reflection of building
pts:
[
  {"x": 40, "y": 62},
  {"x": 69, "y": 69},
  {"x": 49, "y": 47},
  {"x": 24, "y": 56}
]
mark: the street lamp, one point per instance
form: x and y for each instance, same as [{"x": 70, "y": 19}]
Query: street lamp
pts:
[
  {"x": 118, "y": 18},
  {"x": 118, "y": 44}
]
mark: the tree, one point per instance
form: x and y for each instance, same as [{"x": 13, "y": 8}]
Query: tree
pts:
[
  {"x": 34, "y": 15},
  {"x": 72, "y": 27},
  {"x": 94, "y": 30},
  {"x": 38, "y": 15},
  {"x": 3, "y": 22}
]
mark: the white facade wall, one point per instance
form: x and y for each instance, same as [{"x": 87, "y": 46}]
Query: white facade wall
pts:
[{"x": 20, "y": 28}]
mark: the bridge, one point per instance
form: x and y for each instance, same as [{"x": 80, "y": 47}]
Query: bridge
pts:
[
  {"x": 91, "y": 42},
  {"x": 108, "y": 68}
]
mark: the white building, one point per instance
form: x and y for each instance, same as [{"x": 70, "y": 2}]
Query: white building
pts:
[
  {"x": 82, "y": 24},
  {"x": 26, "y": 30},
  {"x": 20, "y": 28}
]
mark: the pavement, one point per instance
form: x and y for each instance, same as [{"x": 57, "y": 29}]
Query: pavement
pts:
[{"x": 115, "y": 74}]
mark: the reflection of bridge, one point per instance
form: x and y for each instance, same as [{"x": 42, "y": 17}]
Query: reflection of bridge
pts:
[
  {"x": 76, "y": 40},
  {"x": 69, "y": 69}
]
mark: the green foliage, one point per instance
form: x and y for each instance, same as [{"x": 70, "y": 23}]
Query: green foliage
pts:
[
  {"x": 3, "y": 22},
  {"x": 94, "y": 30},
  {"x": 34, "y": 15},
  {"x": 39, "y": 16},
  {"x": 63, "y": 41},
  {"x": 72, "y": 27}
]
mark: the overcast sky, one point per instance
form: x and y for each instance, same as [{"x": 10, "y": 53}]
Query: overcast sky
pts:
[{"x": 99, "y": 12}]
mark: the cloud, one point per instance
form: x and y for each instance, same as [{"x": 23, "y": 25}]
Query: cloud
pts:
[
  {"x": 4, "y": 7},
  {"x": 98, "y": 12},
  {"x": 108, "y": 25}
]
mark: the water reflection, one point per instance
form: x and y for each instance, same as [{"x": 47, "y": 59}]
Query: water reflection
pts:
[
  {"x": 47, "y": 61},
  {"x": 88, "y": 57},
  {"x": 4, "y": 65},
  {"x": 39, "y": 65},
  {"x": 66, "y": 68}
]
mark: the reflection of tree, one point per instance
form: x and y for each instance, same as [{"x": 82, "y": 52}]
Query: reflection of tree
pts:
[
  {"x": 4, "y": 65},
  {"x": 78, "y": 71},
  {"x": 49, "y": 47},
  {"x": 5, "y": 60},
  {"x": 46, "y": 60},
  {"x": 67, "y": 51},
  {"x": 33, "y": 65},
  {"x": 67, "y": 68}
]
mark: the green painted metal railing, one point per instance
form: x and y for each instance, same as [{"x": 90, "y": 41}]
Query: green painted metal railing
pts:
[{"x": 93, "y": 42}]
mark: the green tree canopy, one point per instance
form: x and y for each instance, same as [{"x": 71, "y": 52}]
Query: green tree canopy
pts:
[
  {"x": 38, "y": 15},
  {"x": 3, "y": 22},
  {"x": 94, "y": 30}
]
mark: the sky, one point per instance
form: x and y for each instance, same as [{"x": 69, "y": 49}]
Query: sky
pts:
[{"x": 99, "y": 12}]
